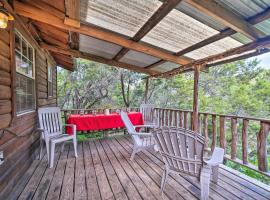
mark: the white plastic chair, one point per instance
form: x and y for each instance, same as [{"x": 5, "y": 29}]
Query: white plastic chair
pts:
[
  {"x": 182, "y": 152},
  {"x": 147, "y": 111},
  {"x": 51, "y": 127},
  {"x": 142, "y": 141}
]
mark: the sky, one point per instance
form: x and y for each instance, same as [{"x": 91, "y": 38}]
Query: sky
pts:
[{"x": 265, "y": 60}]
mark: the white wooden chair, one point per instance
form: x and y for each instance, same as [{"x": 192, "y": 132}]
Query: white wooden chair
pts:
[
  {"x": 182, "y": 152},
  {"x": 142, "y": 141},
  {"x": 147, "y": 111},
  {"x": 51, "y": 127}
]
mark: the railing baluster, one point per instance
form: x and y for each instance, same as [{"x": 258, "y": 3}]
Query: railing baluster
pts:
[
  {"x": 222, "y": 132},
  {"x": 180, "y": 119},
  {"x": 214, "y": 132},
  {"x": 234, "y": 138},
  {"x": 205, "y": 129},
  {"x": 185, "y": 119},
  {"x": 261, "y": 147},
  {"x": 245, "y": 141}
]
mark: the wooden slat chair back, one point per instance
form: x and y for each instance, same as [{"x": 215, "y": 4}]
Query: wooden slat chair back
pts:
[
  {"x": 181, "y": 149},
  {"x": 147, "y": 111},
  {"x": 51, "y": 127},
  {"x": 141, "y": 140}
]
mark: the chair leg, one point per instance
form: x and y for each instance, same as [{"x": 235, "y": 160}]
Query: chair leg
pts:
[
  {"x": 47, "y": 142},
  {"x": 215, "y": 173},
  {"x": 164, "y": 180},
  {"x": 52, "y": 154},
  {"x": 205, "y": 182},
  {"x": 135, "y": 150},
  {"x": 75, "y": 146},
  {"x": 40, "y": 148}
]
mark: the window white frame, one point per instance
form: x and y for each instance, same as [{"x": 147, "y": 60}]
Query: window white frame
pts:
[
  {"x": 28, "y": 76},
  {"x": 50, "y": 80}
]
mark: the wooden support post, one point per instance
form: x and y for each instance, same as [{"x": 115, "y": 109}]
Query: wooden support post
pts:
[
  {"x": 214, "y": 132},
  {"x": 222, "y": 132},
  {"x": 195, "y": 115},
  {"x": 261, "y": 147},
  {"x": 146, "y": 90},
  {"x": 234, "y": 138},
  {"x": 205, "y": 130},
  {"x": 245, "y": 141}
]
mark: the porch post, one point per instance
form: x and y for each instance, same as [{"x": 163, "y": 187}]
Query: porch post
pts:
[
  {"x": 146, "y": 90},
  {"x": 195, "y": 115}
]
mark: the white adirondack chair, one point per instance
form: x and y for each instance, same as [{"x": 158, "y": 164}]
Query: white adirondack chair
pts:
[
  {"x": 182, "y": 152},
  {"x": 142, "y": 141},
  {"x": 147, "y": 111},
  {"x": 52, "y": 131}
]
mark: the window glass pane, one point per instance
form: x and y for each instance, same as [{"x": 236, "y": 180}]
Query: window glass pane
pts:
[
  {"x": 17, "y": 42},
  {"x": 30, "y": 54},
  {"x": 25, "y": 93},
  {"x": 18, "y": 61},
  {"x": 25, "y": 66},
  {"x": 24, "y": 48}
]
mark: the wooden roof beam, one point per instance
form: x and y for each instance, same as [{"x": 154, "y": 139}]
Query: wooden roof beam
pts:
[
  {"x": 223, "y": 34},
  {"x": 226, "y": 17},
  {"x": 162, "y": 11},
  {"x": 258, "y": 44},
  {"x": 87, "y": 56},
  {"x": 34, "y": 13}
]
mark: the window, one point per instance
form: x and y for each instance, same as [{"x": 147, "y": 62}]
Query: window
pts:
[
  {"x": 50, "y": 81},
  {"x": 25, "y": 79}
]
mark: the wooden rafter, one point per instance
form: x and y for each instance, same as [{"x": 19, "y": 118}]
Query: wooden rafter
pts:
[
  {"x": 226, "y": 17},
  {"x": 258, "y": 44},
  {"x": 162, "y": 11},
  {"x": 29, "y": 11},
  {"x": 223, "y": 34},
  {"x": 78, "y": 54},
  {"x": 242, "y": 57}
]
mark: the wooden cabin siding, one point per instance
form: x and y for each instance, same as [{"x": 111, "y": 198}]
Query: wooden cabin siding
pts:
[{"x": 19, "y": 152}]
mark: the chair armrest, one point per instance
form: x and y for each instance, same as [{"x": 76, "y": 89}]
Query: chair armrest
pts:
[
  {"x": 145, "y": 126},
  {"x": 73, "y": 126},
  {"x": 142, "y": 134},
  {"x": 217, "y": 157}
]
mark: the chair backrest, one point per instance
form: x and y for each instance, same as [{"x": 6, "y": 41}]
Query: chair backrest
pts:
[
  {"x": 147, "y": 111},
  {"x": 181, "y": 149},
  {"x": 130, "y": 128},
  {"x": 50, "y": 119}
]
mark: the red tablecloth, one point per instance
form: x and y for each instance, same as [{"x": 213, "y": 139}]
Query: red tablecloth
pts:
[{"x": 91, "y": 122}]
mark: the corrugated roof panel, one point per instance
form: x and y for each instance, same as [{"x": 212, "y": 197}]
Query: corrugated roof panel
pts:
[
  {"x": 98, "y": 47},
  {"x": 178, "y": 31},
  {"x": 125, "y": 17},
  {"x": 214, "y": 48},
  {"x": 245, "y": 8},
  {"x": 138, "y": 59},
  {"x": 167, "y": 66},
  {"x": 264, "y": 26}
]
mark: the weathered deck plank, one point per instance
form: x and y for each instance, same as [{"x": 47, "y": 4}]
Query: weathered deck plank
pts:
[{"x": 103, "y": 170}]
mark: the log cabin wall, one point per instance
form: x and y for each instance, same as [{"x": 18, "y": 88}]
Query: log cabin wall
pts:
[{"x": 19, "y": 152}]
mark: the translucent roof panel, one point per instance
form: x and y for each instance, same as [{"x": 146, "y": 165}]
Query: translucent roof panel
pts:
[
  {"x": 98, "y": 47},
  {"x": 138, "y": 59},
  {"x": 125, "y": 17},
  {"x": 214, "y": 48},
  {"x": 178, "y": 31},
  {"x": 167, "y": 66}
]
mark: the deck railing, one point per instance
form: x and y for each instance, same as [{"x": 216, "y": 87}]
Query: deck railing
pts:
[{"x": 233, "y": 133}]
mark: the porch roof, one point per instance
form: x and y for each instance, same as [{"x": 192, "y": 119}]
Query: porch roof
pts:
[{"x": 153, "y": 37}]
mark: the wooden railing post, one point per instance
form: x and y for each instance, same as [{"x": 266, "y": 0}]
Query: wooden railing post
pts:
[
  {"x": 245, "y": 141},
  {"x": 214, "y": 132},
  {"x": 205, "y": 129},
  {"x": 222, "y": 132},
  {"x": 261, "y": 147},
  {"x": 195, "y": 114},
  {"x": 234, "y": 138}
]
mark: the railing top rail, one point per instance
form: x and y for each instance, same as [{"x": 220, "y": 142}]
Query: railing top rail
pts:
[{"x": 221, "y": 115}]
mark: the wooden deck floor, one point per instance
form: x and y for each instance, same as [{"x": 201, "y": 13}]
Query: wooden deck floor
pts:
[{"x": 103, "y": 171}]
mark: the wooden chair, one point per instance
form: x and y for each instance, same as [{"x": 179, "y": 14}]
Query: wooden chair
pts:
[
  {"x": 142, "y": 141},
  {"x": 50, "y": 123},
  {"x": 182, "y": 152},
  {"x": 147, "y": 111}
]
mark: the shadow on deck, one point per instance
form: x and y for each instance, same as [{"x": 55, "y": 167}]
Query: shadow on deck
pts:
[{"x": 103, "y": 171}]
